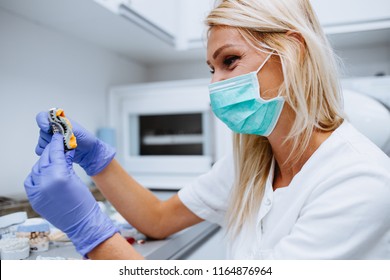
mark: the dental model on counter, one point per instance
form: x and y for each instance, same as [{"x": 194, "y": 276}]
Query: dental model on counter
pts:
[
  {"x": 12, "y": 247},
  {"x": 37, "y": 230},
  {"x": 20, "y": 236}
]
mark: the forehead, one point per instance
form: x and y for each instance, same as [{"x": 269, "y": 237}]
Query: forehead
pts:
[{"x": 223, "y": 35}]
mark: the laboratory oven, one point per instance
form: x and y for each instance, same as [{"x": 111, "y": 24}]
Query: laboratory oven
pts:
[{"x": 166, "y": 132}]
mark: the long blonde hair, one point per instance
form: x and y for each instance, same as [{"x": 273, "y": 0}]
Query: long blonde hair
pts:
[{"x": 310, "y": 88}]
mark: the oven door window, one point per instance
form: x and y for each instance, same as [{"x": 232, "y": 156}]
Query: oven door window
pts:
[{"x": 168, "y": 135}]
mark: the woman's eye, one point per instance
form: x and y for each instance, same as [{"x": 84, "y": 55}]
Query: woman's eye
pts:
[
  {"x": 230, "y": 60},
  {"x": 212, "y": 71}
]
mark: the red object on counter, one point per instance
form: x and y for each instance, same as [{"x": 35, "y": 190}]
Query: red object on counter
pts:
[{"x": 131, "y": 240}]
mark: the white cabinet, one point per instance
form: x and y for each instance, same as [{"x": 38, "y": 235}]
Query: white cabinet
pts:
[
  {"x": 359, "y": 31},
  {"x": 338, "y": 12},
  {"x": 192, "y": 30},
  {"x": 352, "y": 16},
  {"x": 159, "y": 13},
  {"x": 178, "y": 22},
  {"x": 183, "y": 19}
]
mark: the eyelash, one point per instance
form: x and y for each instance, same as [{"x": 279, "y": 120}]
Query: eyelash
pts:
[
  {"x": 227, "y": 62},
  {"x": 230, "y": 60}
]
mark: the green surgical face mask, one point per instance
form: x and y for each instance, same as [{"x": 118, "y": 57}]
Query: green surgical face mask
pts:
[{"x": 237, "y": 103}]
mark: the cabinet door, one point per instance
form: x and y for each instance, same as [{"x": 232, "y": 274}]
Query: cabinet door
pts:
[
  {"x": 339, "y": 12},
  {"x": 192, "y": 29},
  {"x": 161, "y": 13}
]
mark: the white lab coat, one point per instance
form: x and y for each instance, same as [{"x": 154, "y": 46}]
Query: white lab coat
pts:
[{"x": 336, "y": 207}]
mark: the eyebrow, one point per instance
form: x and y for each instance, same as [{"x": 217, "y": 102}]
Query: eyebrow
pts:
[{"x": 219, "y": 50}]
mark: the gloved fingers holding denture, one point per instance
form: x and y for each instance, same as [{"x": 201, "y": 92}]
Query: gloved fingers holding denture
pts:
[
  {"x": 92, "y": 154},
  {"x": 55, "y": 121}
]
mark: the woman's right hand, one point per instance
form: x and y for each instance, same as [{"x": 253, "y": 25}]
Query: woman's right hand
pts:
[
  {"x": 92, "y": 154},
  {"x": 58, "y": 194}
]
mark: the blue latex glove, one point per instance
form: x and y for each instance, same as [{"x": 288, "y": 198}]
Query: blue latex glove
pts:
[
  {"x": 92, "y": 154},
  {"x": 58, "y": 195}
]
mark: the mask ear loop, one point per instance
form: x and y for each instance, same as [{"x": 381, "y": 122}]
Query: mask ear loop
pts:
[
  {"x": 264, "y": 62},
  {"x": 268, "y": 57}
]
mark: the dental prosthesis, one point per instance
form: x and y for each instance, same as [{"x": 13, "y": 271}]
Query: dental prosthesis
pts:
[{"x": 61, "y": 124}]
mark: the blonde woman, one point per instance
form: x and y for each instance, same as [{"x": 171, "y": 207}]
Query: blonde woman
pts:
[{"x": 301, "y": 183}]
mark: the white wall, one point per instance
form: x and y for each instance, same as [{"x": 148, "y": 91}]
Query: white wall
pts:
[
  {"x": 40, "y": 69},
  {"x": 178, "y": 71}
]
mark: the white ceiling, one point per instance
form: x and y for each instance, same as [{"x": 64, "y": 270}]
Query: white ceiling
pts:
[{"x": 87, "y": 20}]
